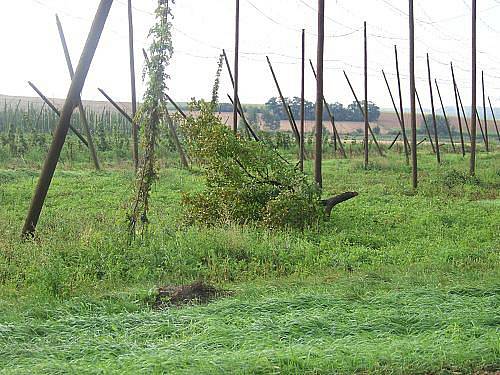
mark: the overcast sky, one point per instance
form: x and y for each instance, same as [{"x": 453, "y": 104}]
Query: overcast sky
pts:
[{"x": 32, "y": 51}]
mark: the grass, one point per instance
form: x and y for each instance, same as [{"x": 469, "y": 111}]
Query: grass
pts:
[{"x": 397, "y": 282}]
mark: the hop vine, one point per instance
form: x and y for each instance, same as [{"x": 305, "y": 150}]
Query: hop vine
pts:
[{"x": 152, "y": 112}]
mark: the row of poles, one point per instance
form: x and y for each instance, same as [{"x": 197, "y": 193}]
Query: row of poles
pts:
[
  {"x": 78, "y": 77},
  {"x": 410, "y": 148}
]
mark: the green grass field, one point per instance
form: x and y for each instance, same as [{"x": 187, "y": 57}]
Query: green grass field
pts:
[{"x": 394, "y": 283}]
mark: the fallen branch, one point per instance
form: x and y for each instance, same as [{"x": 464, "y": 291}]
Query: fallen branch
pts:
[{"x": 330, "y": 203}]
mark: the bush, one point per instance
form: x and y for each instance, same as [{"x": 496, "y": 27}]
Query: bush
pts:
[{"x": 246, "y": 181}]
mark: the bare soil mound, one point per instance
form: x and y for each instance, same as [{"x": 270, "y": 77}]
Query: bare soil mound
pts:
[{"x": 196, "y": 293}]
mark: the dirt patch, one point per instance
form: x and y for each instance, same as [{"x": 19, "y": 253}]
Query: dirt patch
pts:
[{"x": 196, "y": 293}]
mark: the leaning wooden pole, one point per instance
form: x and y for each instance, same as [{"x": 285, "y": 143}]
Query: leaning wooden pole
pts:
[
  {"x": 61, "y": 131},
  {"x": 464, "y": 114},
  {"x": 486, "y": 139},
  {"x": 135, "y": 127},
  {"x": 494, "y": 119},
  {"x": 413, "y": 109},
  {"x": 434, "y": 122},
  {"x": 365, "y": 112},
  {"x": 83, "y": 115},
  {"x": 400, "y": 120},
  {"x": 56, "y": 111},
  {"x": 330, "y": 115},
  {"x": 117, "y": 107},
  {"x": 236, "y": 66},
  {"x": 445, "y": 116},
  {"x": 362, "y": 111},
  {"x": 302, "y": 100},
  {"x": 454, "y": 82},
  {"x": 472, "y": 169},
  {"x": 425, "y": 121},
  {"x": 280, "y": 93},
  {"x": 401, "y": 109},
  {"x": 319, "y": 95}
]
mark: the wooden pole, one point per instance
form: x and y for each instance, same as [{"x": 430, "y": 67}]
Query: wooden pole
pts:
[
  {"x": 401, "y": 109},
  {"x": 434, "y": 122},
  {"x": 414, "y": 158},
  {"x": 464, "y": 115},
  {"x": 332, "y": 118},
  {"x": 401, "y": 124},
  {"x": 302, "y": 101},
  {"x": 365, "y": 112},
  {"x": 480, "y": 126},
  {"x": 462, "y": 144},
  {"x": 486, "y": 139},
  {"x": 445, "y": 116},
  {"x": 425, "y": 122},
  {"x": 56, "y": 111},
  {"x": 282, "y": 98},
  {"x": 236, "y": 67},
  {"x": 83, "y": 116},
  {"x": 135, "y": 127},
  {"x": 319, "y": 95},
  {"x": 117, "y": 107},
  {"x": 494, "y": 119},
  {"x": 61, "y": 131},
  {"x": 472, "y": 169},
  {"x": 362, "y": 111}
]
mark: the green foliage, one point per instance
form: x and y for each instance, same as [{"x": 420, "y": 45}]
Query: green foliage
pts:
[
  {"x": 152, "y": 111},
  {"x": 246, "y": 181}
]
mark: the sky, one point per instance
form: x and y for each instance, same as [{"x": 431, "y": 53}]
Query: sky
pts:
[{"x": 32, "y": 50}]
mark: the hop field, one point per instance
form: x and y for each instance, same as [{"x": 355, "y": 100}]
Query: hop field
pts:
[{"x": 395, "y": 282}]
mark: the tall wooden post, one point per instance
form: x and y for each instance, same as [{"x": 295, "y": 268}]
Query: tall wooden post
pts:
[
  {"x": 462, "y": 143},
  {"x": 472, "y": 170},
  {"x": 236, "y": 67},
  {"x": 401, "y": 109},
  {"x": 486, "y": 139},
  {"x": 434, "y": 122},
  {"x": 319, "y": 95},
  {"x": 86, "y": 127},
  {"x": 135, "y": 136},
  {"x": 302, "y": 100},
  {"x": 412, "y": 100},
  {"x": 61, "y": 131},
  {"x": 367, "y": 124}
]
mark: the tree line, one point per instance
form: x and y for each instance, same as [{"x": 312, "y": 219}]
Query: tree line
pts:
[{"x": 272, "y": 111}]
